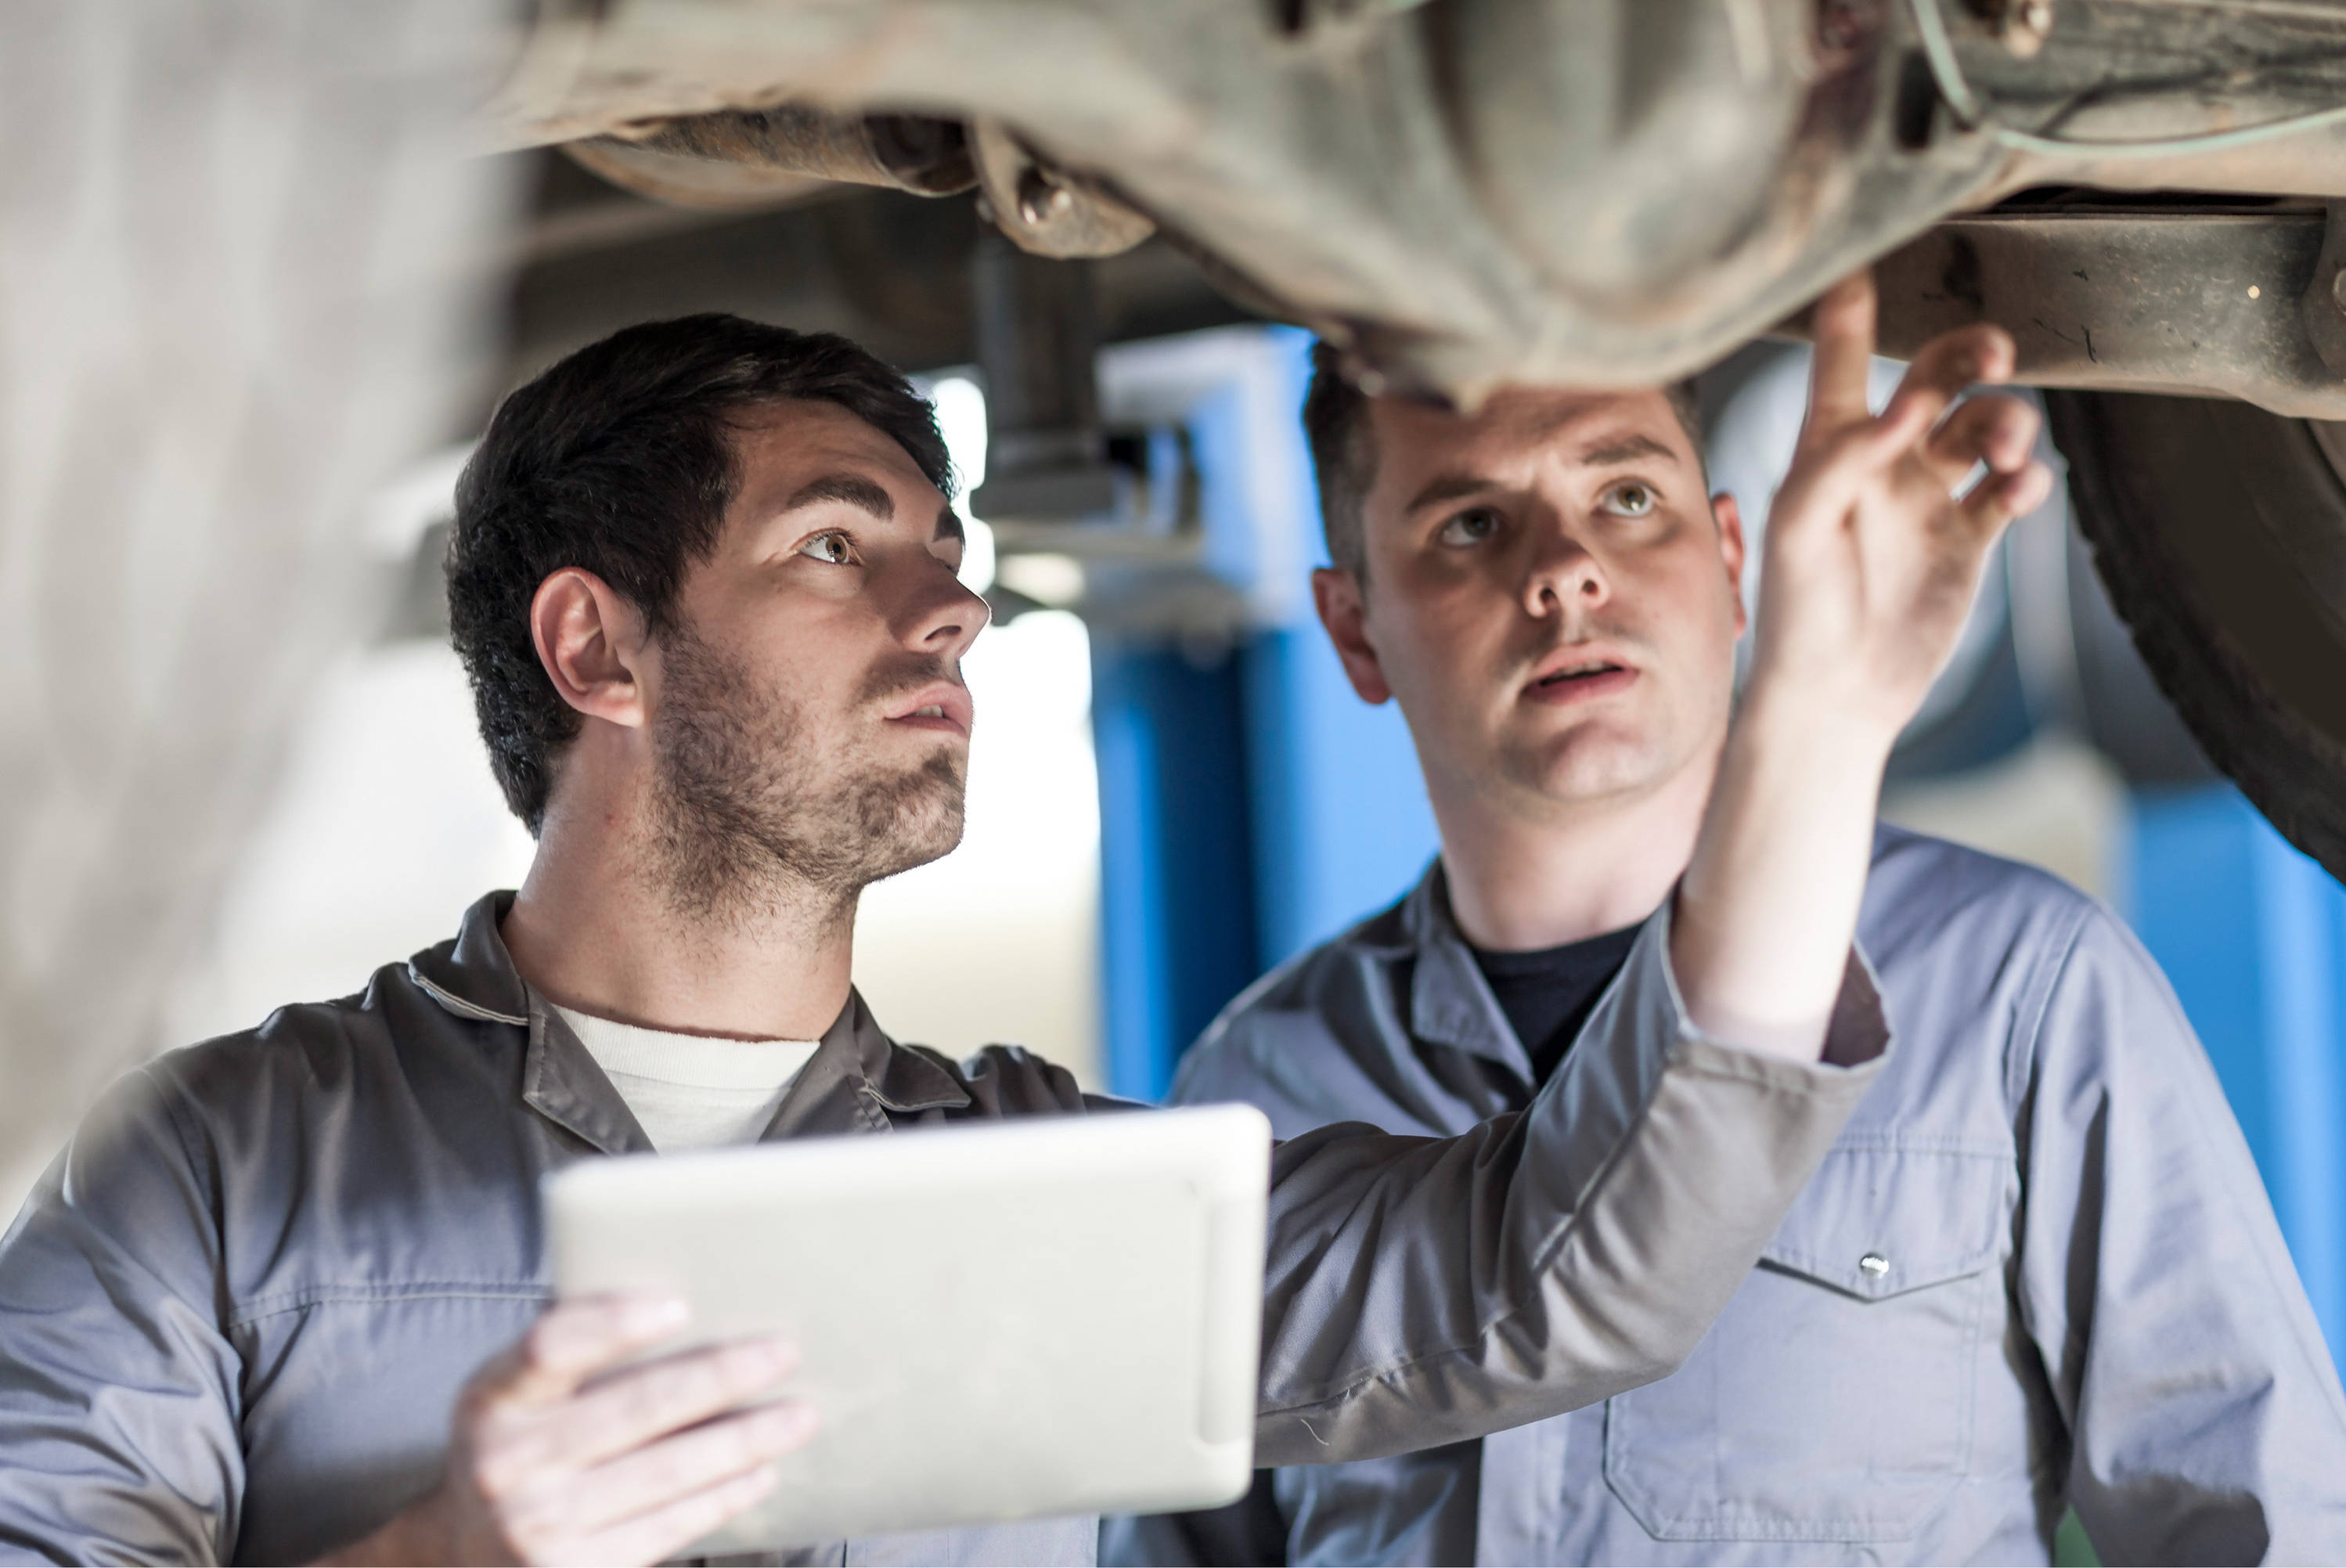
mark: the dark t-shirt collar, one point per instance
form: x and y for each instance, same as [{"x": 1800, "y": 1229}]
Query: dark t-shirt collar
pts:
[{"x": 1548, "y": 992}]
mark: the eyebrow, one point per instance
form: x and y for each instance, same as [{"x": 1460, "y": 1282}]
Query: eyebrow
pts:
[
  {"x": 1601, "y": 453},
  {"x": 1444, "y": 487},
  {"x": 851, "y": 488},
  {"x": 1621, "y": 449},
  {"x": 948, "y": 525}
]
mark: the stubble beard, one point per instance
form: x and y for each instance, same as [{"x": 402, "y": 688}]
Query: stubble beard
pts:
[{"x": 753, "y": 820}]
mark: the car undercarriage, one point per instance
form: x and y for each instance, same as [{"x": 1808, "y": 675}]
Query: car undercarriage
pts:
[{"x": 1466, "y": 193}]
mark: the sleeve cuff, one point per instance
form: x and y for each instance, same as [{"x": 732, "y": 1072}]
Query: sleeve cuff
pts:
[{"x": 1856, "y": 1034}]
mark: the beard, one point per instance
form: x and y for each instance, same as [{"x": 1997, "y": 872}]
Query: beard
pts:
[{"x": 754, "y": 811}]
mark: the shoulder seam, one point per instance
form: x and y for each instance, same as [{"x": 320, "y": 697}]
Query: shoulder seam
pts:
[
  {"x": 2037, "y": 1000},
  {"x": 205, "y": 1170}
]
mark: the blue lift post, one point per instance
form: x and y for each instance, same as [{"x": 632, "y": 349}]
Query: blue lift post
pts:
[
  {"x": 1250, "y": 806},
  {"x": 1176, "y": 880},
  {"x": 1342, "y": 826}
]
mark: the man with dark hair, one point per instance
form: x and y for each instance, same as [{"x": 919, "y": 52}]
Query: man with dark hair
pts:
[
  {"x": 285, "y": 1295},
  {"x": 619, "y": 462},
  {"x": 2037, "y": 1272}
]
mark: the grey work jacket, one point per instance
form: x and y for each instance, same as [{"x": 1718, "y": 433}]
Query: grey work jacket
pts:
[
  {"x": 236, "y": 1313},
  {"x": 2038, "y": 1270}
]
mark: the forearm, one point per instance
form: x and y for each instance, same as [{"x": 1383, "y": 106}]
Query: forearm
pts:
[
  {"x": 1876, "y": 542},
  {"x": 1424, "y": 1292},
  {"x": 1767, "y": 912}
]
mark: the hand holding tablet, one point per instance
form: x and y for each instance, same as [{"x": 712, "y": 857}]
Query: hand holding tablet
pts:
[
  {"x": 1060, "y": 1316},
  {"x": 569, "y": 1448}
]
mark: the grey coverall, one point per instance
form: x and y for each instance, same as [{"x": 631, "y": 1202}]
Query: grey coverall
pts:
[
  {"x": 236, "y": 1314},
  {"x": 2038, "y": 1270}
]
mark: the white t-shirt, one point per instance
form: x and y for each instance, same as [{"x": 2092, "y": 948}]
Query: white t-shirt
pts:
[{"x": 692, "y": 1091}]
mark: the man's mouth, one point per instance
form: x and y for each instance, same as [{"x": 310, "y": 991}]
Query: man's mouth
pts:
[
  {"x": 940, "y": 707},
  {"x": 1578, "y": 678}
]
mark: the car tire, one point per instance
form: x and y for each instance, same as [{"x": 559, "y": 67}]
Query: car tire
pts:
[{"x": 2219, "y": 531}]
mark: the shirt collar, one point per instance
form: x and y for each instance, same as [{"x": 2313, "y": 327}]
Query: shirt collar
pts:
[
  {"x": 1450, "y": 1002},
  {"x": 473, "y": 976},
  {"x": 856, "y": 1077}
]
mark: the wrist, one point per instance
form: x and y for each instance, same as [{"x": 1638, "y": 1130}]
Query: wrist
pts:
[{"x": 1815, "y": 723}]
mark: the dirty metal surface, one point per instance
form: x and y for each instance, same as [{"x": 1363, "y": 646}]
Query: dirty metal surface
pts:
[
  {"x": 1596, "y": 192},
  {"x": 2205, "y": 304}
]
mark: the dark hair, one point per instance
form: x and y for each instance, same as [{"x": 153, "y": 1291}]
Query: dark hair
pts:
[
  {"x": 620, "y": 461},
  {"x": 1344, "y": 450}
]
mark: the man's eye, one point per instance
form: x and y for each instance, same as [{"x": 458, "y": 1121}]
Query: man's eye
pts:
[
  {"x": 1469, "y": 528},
  {"x": 834, "y": 547},
  {"x": 1630, "y": 499}
]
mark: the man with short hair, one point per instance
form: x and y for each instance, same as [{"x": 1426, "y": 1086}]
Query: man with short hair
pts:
[
  {"x": 286, "y": 1294},
  {"x": 2038, "y": 1271}
]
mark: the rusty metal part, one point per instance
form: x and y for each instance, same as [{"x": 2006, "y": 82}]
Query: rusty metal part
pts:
[
  {"x": 738, "y": 157},
  {"x": 1596, "y": 192},
  {"x": 2321, "y": 308},
  {"x": 1301, "y": 15},
  {"x": 1046, "y": 211},
  {"x": 684, "y": 180},
  {"x": 1038, "y": 346},
  {"x": 2020, "y": 26},
  {"x": 2145, "y": 301},
  {"x": 2163, "y": 95}
]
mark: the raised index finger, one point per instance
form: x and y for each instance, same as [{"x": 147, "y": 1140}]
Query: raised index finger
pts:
[{"x": 1843, "y": 324}]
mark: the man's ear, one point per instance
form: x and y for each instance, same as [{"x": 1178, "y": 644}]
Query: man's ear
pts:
[
  {"x": 591, "y": 642},
  {"x": 1344, "y": 611},
  {"x": 1729, "y": 518}
]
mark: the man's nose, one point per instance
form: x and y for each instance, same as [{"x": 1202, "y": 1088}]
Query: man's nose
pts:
[
  {"x": 942, "y": 618},
  {"x": 1564, "y": 576}
]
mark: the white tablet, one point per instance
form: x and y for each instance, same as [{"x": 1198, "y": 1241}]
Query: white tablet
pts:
[{"x": 1018, "y": 1319}]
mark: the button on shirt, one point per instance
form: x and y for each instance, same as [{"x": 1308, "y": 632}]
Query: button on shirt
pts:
[{"x": 2038, "y": 1270}]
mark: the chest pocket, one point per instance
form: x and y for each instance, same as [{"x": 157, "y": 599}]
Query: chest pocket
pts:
[{"x": 1832, "y": 1399}]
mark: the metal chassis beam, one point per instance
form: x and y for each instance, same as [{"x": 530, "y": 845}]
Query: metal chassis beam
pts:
[{"x": 2216, "y": 304}]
